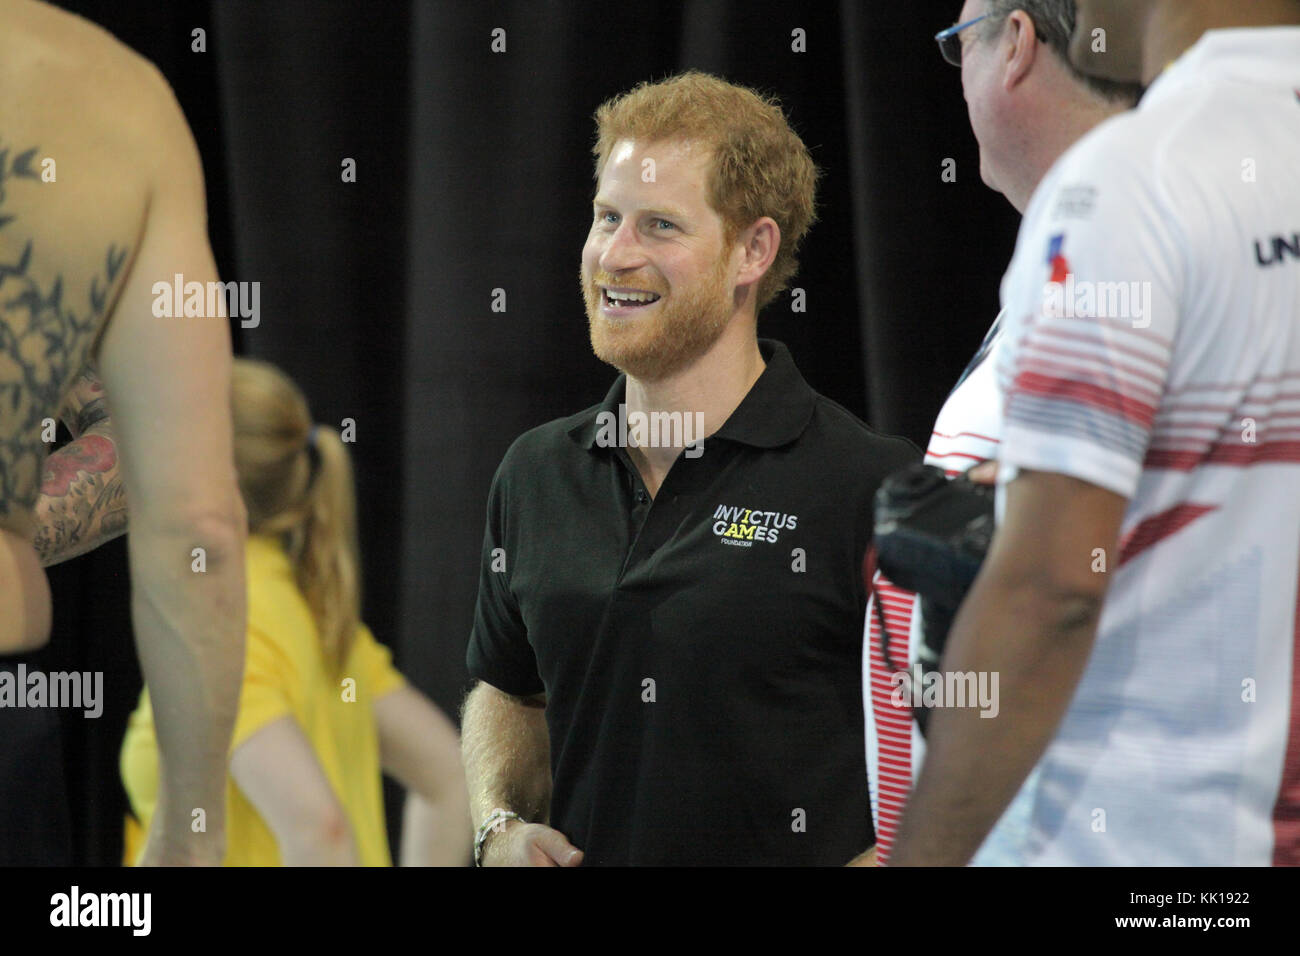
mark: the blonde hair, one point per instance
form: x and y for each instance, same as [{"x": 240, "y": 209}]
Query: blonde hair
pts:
[
  {"x": 305, "y": 496},
  {"x": 760, "y": 165}
]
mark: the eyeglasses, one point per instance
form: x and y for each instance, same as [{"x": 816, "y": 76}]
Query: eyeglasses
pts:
[{"x": 949, "y": 40}]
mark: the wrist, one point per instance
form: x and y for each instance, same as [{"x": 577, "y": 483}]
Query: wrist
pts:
[
  {"x": 183, "y": 849},
  {"x": 491, "y": 830}
]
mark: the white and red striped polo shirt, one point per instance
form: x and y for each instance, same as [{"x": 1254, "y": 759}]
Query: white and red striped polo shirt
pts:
[
  {"x": 965, "y": 434},
  {"x": 1152, "y": 347}
]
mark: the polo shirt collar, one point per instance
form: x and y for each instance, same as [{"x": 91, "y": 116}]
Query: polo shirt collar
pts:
[{"x": 773, "y": 413}]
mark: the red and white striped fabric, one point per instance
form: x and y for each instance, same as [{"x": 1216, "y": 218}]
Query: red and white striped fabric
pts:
[
  {"x": 1152, "y": 348},
  {"x": 965, "y": 434}
]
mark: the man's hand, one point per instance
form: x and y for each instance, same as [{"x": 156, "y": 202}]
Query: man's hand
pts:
[{"x": 529, "y": 844}]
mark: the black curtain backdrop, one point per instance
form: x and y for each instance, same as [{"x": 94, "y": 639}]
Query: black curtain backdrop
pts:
[{"x": 473, "y": 174}]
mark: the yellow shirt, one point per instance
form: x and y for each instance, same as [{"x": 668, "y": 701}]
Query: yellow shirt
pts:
[{"x": 285, "y": 674}]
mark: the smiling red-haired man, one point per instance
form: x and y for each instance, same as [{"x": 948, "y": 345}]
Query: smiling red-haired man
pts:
[{"x": 669, "y": 619}]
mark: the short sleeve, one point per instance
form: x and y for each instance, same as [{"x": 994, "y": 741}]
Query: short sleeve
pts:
[
  {"x": 499, "y": 653},
  {"x": 263, "y": 698},
  {"x": 1092, "y": 305},
  {"x": 374, "y": 664}
]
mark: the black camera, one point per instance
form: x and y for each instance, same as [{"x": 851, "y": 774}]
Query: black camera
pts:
[{"x": 931, "y": 538}]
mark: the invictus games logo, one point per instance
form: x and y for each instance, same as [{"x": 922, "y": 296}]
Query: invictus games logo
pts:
[
  {"x": 652, "y": 430},
  {"x": 743, "y": 526}
]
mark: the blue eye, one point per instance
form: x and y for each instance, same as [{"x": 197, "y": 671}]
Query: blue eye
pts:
[{"x": 611, "y": 218}]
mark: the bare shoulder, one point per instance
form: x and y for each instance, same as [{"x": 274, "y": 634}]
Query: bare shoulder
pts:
[
  {"x": 96, "y": 164},
  {"x": 88, "y": 132},
  {"x": 72, "y": 85},
  {"x": 57, "y": 40}
]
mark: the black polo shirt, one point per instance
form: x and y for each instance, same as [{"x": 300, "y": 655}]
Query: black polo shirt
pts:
[{"x": 701, "y": 652}]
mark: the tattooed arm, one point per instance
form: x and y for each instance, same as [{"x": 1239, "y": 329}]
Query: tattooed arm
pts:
[{"x": 83, "y": 502}]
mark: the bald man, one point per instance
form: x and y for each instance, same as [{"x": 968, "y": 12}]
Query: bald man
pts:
[{"x": 101, "y": 196}]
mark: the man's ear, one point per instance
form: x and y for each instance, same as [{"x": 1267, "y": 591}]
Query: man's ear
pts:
[
  {"x": 760, "y": 243},
  {"x": 1023, "y": 51}
]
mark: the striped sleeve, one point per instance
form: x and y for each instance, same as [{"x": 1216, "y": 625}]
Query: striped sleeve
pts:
[{"x": 1091, "y": 297}]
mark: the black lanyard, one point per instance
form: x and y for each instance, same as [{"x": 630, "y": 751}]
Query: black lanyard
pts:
[{"x": 985, "y": 347}]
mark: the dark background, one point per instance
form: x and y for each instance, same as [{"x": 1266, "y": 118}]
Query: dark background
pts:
[{"x": 474, "y": 173}]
